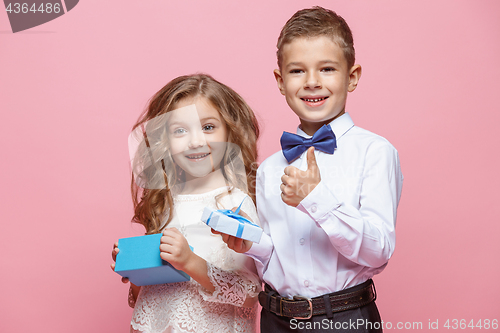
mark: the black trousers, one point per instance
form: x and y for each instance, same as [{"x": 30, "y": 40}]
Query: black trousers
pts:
[{"x": 365, "y": 319}]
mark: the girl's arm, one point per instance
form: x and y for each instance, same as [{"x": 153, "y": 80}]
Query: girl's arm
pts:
[
  {"x": 174, "y": 248},
  {"x": 133, "y": 292},
  {"x": 236, "y": 288}
]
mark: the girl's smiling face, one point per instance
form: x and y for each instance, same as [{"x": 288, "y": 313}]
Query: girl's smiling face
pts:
[{"x": 197, "y": 136}]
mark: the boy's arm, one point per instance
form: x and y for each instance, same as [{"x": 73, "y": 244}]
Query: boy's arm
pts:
[
  {"x": 261, "y": 252},
  {"x": 365, "y": 235}
]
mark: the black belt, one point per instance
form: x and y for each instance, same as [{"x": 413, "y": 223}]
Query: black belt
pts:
[{"x": 301, "y": 307}]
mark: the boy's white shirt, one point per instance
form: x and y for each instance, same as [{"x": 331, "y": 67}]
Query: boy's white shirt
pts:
[{"x": 343, "y": 232}]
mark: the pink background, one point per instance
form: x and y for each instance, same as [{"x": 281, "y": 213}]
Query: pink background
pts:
[{"x": 71, "y": 89}]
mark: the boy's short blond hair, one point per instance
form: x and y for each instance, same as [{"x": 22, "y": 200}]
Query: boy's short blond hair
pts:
[{"x": 314, "y": 22}]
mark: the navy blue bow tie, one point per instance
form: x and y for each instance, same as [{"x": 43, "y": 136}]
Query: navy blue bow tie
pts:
[{"x": 294, "y": 145}]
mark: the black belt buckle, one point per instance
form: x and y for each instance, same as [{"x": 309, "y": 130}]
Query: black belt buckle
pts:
[{"x": 303, "y": 298}]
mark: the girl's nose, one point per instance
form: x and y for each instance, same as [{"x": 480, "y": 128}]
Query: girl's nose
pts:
[{"x": 197, "y": 140}]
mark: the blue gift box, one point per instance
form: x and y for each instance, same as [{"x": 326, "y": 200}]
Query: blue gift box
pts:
[
  {"x": 230, "y": 223},
  {"x": 139, "y": 260}
]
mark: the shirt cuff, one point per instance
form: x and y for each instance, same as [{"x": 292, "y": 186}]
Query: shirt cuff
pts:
[
  {"x": 319, "y": 202},
  {"x": 261, "y": 251}
]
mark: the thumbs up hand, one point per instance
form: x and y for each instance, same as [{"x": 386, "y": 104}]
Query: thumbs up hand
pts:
[{"x": 297, "y": 184}]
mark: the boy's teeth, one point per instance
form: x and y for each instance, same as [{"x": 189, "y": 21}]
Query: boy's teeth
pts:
[{"x": 314, "y": 99}]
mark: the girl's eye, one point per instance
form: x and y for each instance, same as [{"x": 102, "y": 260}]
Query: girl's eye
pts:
[
  {"x": 328, "y": 69},
  {"x": 296, "y": 71},
  {"x": 208, "y": 127},
  {"x": 179, "y": 131}
]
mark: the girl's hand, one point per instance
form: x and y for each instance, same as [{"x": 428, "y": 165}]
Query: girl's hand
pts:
[
  {"x": 113, "y": 255},
  {"x": 234, "y": 243},
  {"x": 174, "y": 248}
]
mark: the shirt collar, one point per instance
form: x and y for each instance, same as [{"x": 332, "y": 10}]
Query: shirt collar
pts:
[{"x": 339, "y": 126}]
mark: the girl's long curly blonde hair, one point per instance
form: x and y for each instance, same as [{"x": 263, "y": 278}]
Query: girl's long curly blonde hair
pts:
[{"x": 153, "y": 207}]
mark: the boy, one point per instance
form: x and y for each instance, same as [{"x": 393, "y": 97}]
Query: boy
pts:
[{"x": 329, "y": 221}]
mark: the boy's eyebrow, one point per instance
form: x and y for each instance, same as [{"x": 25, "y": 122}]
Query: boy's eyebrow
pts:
[
  {"x": 329, "y": 62},
  {"x": 293, "y": 64},
  {"x": 322, "y": 62}
]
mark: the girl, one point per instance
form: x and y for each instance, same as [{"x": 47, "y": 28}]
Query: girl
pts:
[{"x": 196, "y": 133}]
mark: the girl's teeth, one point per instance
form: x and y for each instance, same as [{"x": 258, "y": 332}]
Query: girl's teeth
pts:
[
  {"x": 313, "y": 100},
  {"x": 197, "y": 156}
]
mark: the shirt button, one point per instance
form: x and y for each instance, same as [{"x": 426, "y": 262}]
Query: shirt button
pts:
[
  {"x": 314, "y": 209},
  {"x": 306, "y": 283},
  {"x": 302, "y": 241}
]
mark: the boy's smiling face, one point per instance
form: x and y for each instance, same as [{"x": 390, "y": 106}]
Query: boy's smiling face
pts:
[{"x": 315, "y": 80}]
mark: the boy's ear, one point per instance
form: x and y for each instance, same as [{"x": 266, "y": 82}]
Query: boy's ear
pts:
[
  {"x": 354, "y": 75},
  {"x": 279, "y": 80}
]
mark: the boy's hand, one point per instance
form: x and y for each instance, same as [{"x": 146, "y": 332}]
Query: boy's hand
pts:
[
  {"x": 113, "y": 255},
  {"x": 234, "y": 243},
  {"x": 174, "y": 248},
  {"x": 297, "y": 184}
]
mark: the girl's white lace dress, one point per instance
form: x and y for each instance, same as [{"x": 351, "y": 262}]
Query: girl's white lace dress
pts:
[{"x": 187, "y": 306}]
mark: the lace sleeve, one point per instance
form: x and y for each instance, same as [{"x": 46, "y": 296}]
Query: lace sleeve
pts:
[
  {"x": 231, "y": 287},
  {"x": 233, "y": 275}
]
